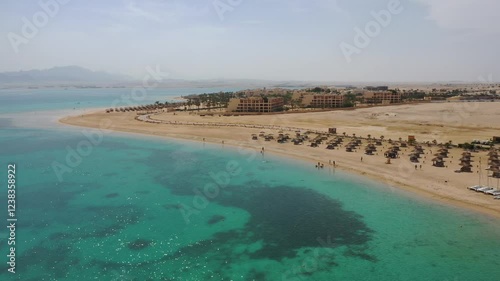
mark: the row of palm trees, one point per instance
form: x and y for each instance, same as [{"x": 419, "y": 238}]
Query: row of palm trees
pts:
[
  {"x": 210, "y": 101},
  {"x": 147, "y": 107},
  {"x": 205, "y": 101}
]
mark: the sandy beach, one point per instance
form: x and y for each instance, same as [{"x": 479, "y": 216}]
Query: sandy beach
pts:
[{"x": 443, "y": 122}]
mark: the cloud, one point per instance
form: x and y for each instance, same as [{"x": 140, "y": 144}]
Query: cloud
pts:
[
  {"x": 334, "y": 5},
  {"x": 118, "y": 28},
  {"x": 138, "y": 12},
  {"x": 303, "y": 6},
  {"x": 252, "y": 22},
  {"x": 464, "y": 14}
]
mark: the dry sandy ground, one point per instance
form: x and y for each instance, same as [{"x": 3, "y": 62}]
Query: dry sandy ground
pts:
[{"x": 458, "y": 122}]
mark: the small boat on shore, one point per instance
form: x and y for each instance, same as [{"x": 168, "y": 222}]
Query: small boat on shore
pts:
[
  {"x": 493, "y": 191},
  {"x": 484, "y": 189},
  {"x": 475, "y": 187}
]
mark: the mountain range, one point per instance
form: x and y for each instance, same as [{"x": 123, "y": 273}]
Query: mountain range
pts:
[
  {"x": 67, "y": 76},
  {"x": 62, "y": 75},
  {"x": 78, "y": 76}
]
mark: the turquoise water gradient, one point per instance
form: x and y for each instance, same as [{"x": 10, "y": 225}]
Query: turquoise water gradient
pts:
[
  {"x": 134, "y": 209},
  {"x": 23, "y": 100}
]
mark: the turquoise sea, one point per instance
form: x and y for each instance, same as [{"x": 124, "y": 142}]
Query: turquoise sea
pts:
[{"x": 112, "y": 206}]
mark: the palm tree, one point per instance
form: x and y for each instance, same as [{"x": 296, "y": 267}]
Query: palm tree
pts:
[
  {"x": 197, "y": 103},
  {"x": 217, "y": 99},
  {"x": 203, "y": 98},
  {"x": 208, "y": 104}
]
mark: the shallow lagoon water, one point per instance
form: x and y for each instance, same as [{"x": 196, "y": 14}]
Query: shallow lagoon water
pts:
[{"x": 134, "y": 209}]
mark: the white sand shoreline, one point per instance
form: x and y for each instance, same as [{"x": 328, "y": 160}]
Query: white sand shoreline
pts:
[{"x": 452, "y": 192}]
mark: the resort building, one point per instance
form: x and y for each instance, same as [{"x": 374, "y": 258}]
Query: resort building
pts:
[
  {"x": 323, "y": 100},
  {"x": 377, "y": 88},
  {"x": 263, "y": 92},
  {"x": 385, "y": 97},
  {"x": 256, "y": 104}
]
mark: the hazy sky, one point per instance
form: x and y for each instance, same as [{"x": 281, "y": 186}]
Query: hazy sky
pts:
[{"x": 426, "y": 40}]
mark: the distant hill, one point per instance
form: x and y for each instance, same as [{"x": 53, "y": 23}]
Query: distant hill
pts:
[
  {"x": 61, "y": 75},
  {"x": 67, "y": 76}
]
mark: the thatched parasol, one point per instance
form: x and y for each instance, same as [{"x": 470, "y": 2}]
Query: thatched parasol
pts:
[{"x": 492, "y": 153}]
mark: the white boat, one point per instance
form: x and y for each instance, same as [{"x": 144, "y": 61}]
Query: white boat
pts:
[
  {"x": 474, "y": 187},
  {"x": 484, "y": 189},
  {"x": 496, "y": 193},
  {"x": 497, "y": 197},
  {"x": 493, "y": 191}
]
